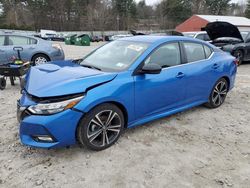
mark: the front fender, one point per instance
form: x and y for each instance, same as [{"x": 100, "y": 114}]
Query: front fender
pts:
[{"x": 120, "y": 90}]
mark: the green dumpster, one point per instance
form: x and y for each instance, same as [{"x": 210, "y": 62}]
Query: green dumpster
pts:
[
  {"x": 82, "y": 40},
  {"x": 70, "y": 39}
]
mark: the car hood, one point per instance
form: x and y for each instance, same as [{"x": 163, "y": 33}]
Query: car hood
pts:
[
  {"x": 63, "y": 78},
  {"x": 222, "y": 29}
]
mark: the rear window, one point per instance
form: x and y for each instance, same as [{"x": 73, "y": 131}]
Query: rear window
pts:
[
  {"x": 194, "y": 52},
  {"x": 208, "y": 51},
  {"x": 19, "y": 40}
]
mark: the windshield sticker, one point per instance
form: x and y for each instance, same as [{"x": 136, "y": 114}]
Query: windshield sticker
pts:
[{"x": 135, "y": 47}]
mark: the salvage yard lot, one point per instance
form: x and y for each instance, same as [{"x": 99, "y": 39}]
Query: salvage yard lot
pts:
[{"x": 196, "y": 148}]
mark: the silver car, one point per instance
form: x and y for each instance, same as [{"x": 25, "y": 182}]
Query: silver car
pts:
[{"x": 36, "y": 50}]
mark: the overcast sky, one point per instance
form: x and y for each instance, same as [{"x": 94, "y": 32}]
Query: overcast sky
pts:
[{"x": 151, "y": 2}]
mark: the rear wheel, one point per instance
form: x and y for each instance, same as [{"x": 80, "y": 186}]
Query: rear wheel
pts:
[
  {"x": 239, "y": 55},
  {"x": 218, "y": 94},
  {"x": 40, "y": 59},
  {"x": 2, "y": 83},
  {"x": 101, "y": 127}
]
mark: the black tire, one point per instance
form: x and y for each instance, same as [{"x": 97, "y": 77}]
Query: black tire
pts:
[
  {"x": 40, "y": 59},
  {"x": 94, "y": 130},
  {"x": 12, "y": 80},
  {"x": 239, "y": 55},
  {"x": 2, "y": 83},
  {"x": 218, "y": 94}
]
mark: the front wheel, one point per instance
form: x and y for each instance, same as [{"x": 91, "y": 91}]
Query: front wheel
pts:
[
  {"x": 218, "y": 94},
  {"x": 101, "y": 127}
]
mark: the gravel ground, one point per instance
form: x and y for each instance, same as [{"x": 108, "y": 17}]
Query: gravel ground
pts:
[{"x": 196, "y": 148}]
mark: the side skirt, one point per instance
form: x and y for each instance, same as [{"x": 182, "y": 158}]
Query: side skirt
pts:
[{"x": 163, "y": 114}]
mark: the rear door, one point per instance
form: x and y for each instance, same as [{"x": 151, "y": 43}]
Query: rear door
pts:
[
  {"x": 28, "y": 44},
  {"x": 3, "y": 57},
  {"x": 200, "y": 71}
]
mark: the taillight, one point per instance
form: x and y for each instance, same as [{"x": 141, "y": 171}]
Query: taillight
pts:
[{"x": 236, "y": 62}]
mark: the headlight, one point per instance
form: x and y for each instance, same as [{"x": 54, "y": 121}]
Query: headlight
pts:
[{"x": 56, "y": 107}]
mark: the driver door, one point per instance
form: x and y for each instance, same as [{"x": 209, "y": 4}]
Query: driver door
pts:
[{"x": 157, "y": 93}]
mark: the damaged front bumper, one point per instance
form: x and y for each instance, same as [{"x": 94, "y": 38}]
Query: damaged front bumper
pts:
[{"x": 47, "y": 131}]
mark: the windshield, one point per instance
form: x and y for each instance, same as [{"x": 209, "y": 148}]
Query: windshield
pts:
[{"x": 115, "y": 56}]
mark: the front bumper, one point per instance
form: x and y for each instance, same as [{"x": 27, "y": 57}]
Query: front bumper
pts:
[{"x": 60, "y": 127}]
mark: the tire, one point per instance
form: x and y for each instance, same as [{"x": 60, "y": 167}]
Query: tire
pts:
[
  {"x": 2, "y": 83},
  {"x": 12, "y": 80},
  {"x": 239, "y": 55},
  {"x": 218, "y": 94},
  {"x": 101, "y": 127},
  {"x": 40, "y": 59}
]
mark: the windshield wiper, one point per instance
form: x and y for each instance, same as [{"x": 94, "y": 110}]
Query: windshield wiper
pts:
[{"x": 91, "y": 67}]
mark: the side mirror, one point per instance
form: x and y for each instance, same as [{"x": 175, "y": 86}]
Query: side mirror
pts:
[{"x": 151, "y": 68}]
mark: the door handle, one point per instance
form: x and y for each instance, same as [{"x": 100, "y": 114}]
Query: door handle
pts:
[
  {"x": 31, "y": 48},
  {"x": 180, "y": 75},
  {"x": 216, "y": 66},
  {"x": 1, "y": 50}
]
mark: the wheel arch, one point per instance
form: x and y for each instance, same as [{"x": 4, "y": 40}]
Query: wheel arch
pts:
[
  {"x": 116, "y": 103},
  {"x": 40, "y": 53},
  {"x": 228, "y": 80}
]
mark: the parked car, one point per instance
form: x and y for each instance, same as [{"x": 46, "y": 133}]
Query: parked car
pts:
[
  {"x": 96, "y": 39},
  {"x": 116, "y": 37},
  {"x": 166, "y": 33},
  {"x": 36, "y": 50},
  {"x": 228, "y": 37},
  {"x": 202, "y": 35},
  {"x": 125, "y": 83}
]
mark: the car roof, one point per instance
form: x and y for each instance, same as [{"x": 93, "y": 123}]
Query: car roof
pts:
[
  {"x": 15, "y": 34},
  {"x": 159, "y": 39}
]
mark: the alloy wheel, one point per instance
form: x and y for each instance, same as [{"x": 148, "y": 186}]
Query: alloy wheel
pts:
[
  {"x": 40, "y": 60},
  {"x": 104, "y": 128},
  {"x": 219, "y": 93}
]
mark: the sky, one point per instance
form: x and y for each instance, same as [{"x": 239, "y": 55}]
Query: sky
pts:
[{"x": 151, "y": 2}]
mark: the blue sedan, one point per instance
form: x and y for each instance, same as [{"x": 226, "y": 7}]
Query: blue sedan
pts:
[
  {"x": 35, "y": 49},
  {"x": 121, "y": 85}
]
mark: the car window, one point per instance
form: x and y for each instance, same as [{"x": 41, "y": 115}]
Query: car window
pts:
[
  {"x": 194, "y": 51},
  {"x": 200, "y": 36},
  {"x": 206, "y": 37},
  {"x": 166, "y": 56},
  {"x": 208, "y": 51},
  {"x": 1, "y": 40},
  {"x": 19, "y": 40}
]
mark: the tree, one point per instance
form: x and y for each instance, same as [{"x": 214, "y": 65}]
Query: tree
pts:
[
  {"x": 126, "y": 12},
  {"x": 177, "y": 10},
  {"x": 247, "y": 11},
  {"x": 217, "y": 7}
]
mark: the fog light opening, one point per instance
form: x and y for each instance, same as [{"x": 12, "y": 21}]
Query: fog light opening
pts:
[{"x": 43, "y": 138}]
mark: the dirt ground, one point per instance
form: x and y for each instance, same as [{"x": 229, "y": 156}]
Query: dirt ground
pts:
[{"x": 197, "y": 148}]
